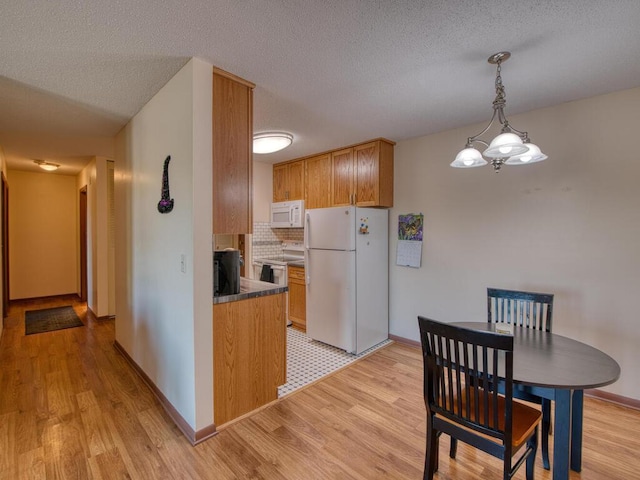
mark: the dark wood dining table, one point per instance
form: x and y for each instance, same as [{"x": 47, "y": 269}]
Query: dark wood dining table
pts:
[{"x": 558, "y": 368}]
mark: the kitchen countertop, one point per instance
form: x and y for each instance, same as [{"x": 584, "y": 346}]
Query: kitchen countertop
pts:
[
  {"x": 251, "y": 289},
  {"x": 289, "y": 260}
]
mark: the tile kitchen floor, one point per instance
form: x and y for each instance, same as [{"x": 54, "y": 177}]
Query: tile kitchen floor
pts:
[{"x": 309, "y": 360}]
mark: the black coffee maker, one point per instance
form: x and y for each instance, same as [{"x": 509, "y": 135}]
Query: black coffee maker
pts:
[{"x": 226, "y": 272}]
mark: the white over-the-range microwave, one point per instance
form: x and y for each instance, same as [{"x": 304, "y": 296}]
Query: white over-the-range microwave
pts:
[{"x": 287, "y": 214}]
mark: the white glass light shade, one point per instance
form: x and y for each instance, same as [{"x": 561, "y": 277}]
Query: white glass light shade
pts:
[
  {"x": 467, "y": 158},
  {"x": 505, "y": 145},
  {"x": 48, "y": 167},
  {"x": 270, "y": 142},
  {"x": 533, "y": 155}
]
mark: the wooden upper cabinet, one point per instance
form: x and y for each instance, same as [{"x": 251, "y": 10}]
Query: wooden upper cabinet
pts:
[
  {"x": 374, "y": 174},
  {"x": 318, "y": 181},
  {"x": 232, "y": 154},
  {"x": 363, "y": 175},
  {"x": 280, "y": 174},
  {"x": 359, "y": 175},
  {"x": 342, "y": 179},
  {"x": 288, "y": 181}
]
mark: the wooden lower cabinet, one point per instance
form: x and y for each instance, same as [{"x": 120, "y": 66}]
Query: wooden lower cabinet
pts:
[
  {"x": 297, "y": 297},
  {"x": 249, "y": 355}
]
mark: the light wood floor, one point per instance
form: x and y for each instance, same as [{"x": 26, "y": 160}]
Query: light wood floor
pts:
[{"x": 72, "y": 408}]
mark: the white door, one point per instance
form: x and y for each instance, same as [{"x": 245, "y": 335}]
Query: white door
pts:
[
  {"x": 331, "y": 297},
  {"x": 330, "y": 228}
]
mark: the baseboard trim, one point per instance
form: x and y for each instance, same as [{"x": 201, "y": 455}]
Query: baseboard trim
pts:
[
  {"x": 405, "y": 341},
  {"x": 194, "y": 437},
  {"x": 46, "y": 297},
  {"x": 613, "y": 398},
  {"x": 593, "y": 392}
]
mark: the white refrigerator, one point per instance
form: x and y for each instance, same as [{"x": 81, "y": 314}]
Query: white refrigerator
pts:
[{"x": 347, "y": 276}]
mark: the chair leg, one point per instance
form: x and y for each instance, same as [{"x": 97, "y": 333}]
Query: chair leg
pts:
[
  {"x": 453, "y": 449},
  {"x": 431, "y": 457},
  {"x": 531, "y": 459},
  {"x": 546, "y": 430}
]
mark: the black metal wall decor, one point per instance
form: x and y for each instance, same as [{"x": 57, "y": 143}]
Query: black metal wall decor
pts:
[{"x": 165, "y": 205}]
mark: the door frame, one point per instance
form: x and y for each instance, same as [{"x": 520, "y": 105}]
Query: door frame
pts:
[
  {"x": 5, "y": 245},
  {"x": 82, "y": 206}
]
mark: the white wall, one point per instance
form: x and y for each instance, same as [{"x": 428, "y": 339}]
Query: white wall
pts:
[
  {"x": 43, "y": 234},
  {"x": 262, "y": 191},
  {"x": 568, "y": 226},
  {"x": 262, "y": 196},
  {"x": 164, "y": 315}
]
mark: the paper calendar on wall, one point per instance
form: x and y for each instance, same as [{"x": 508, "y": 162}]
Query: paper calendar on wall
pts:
[{"x": 409, "y": 250}]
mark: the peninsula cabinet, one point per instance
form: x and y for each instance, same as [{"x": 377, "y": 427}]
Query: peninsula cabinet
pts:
[
  {"x": 288, "y": 181},
  {"x": 318, "y": 181},
  {"x": 363, "y": 175},
  {"x": 232, "y": 153},
  {"x": 249, "y": 354}
]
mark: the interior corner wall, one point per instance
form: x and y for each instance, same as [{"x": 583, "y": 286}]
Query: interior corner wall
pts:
[
  {"x": 569, "y": 226},
  {"x": 43, "y": 234},
  {"x": 161, "y": 307}
]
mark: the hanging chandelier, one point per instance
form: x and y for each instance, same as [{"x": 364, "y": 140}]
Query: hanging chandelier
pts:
[{"x": 511, "y": 146}]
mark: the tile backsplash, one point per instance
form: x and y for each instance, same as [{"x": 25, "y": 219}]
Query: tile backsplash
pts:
[{"x": 267, "y": 241}]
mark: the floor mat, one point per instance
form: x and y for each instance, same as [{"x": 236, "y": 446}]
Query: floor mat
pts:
[
  {"x": 50, "y": 319},
  {"x": 308, "y": 360}
]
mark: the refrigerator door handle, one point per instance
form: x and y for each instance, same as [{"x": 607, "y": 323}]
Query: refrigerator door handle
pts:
[
  {"x": 307, "y": 223},
  {"x": 307, "y": 269}
]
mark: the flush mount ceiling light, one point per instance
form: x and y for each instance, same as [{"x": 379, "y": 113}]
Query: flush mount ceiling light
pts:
[
  {"x": 49, "y": 167},
  {"x": 269, "y": 142},
  {"x": 511, "y": 146}
]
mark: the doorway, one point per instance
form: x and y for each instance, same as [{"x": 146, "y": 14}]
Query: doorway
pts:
[
  {"x": 5, "y": 245},
  {"x": 83, "y": 243}
]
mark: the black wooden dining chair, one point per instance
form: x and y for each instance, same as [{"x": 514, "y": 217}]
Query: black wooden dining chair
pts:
[
  {"x": 528, "y": 310},
  {"x": 462, "y": 398},
  {"x": 523, "y": 309}
]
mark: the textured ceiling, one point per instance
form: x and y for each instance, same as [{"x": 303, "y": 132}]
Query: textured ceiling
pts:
[{"x": 332, "y": 72}]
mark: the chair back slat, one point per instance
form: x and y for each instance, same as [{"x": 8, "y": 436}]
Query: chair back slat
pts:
[
  {"x": 462, "y": 369},
  {"x": 524, "y": 309}
]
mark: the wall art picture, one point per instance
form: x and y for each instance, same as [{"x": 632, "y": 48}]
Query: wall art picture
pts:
[{"x": 165, "y": 205}]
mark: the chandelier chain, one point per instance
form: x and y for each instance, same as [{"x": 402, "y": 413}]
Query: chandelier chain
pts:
[{"x": 500, "y": 100}]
